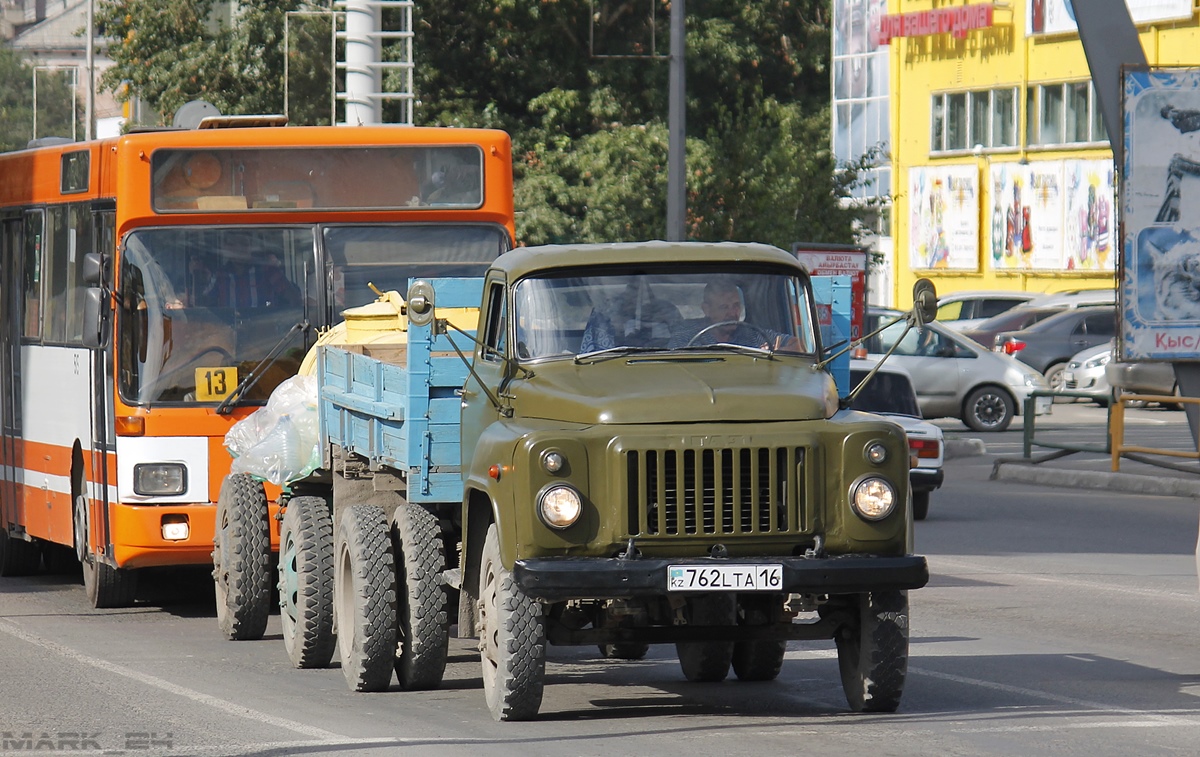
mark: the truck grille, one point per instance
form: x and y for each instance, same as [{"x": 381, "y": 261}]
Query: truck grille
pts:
[{"x": 752, "y": 490}]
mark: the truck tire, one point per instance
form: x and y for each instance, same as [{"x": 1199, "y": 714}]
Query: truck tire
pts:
[
  {"x": 17, "y": 556},
  {"x": 758, "y": 660},
  {"x": 624, "y": 650},
  {"x": 512, "y": 636},
  {"x": 920, "y": 505},
  {"x": 988, "y": 408},
  {"x": 423, "y": 633},
  {"x": 708, "y": 661},
  {"x": 306, "y": 582},
  {"x": 873, "y": 652},
  {"x": 364, "y": 598},
  {"x": 242, "y": 558}
]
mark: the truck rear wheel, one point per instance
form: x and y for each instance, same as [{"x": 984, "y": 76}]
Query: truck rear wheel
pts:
[
  {"x": 306, "y": 582},
  {"x": 708, "y": 661},
  {"x": 364, "y": 598},
  {"x": 512, "y": 639},
  {"x": 423, "y": 635},
  {"x": 758, "y": 660},
  {"x": 242, "y": 558},
  {"x": 624, "y": 650},
  {"x": 873, "y": 651}
]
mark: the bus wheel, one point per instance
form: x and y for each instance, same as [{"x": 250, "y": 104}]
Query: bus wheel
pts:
[
  {"x": 107, "y": 586},
  {"x": 242, "y": 558},
  {"x": 708, "y": 661},
  {"x": 17, "y": 556},
  {"x": 364, "y": 598},
  {"x": 872, "y": 651},
  {"x": 306, "y": 582},
  {"x": 512, "y": 639},
  {"x": 423, "y": 634}
]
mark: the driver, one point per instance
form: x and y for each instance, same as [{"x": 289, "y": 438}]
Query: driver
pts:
[{"x": 722, "y": 324}]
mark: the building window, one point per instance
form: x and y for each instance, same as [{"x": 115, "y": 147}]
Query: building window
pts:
[
  {"x": 962, "y": 120},
  {"x": 1065, "y": 113}
]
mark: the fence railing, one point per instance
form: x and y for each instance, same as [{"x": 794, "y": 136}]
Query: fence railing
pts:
[{"x": 1116, "y": 434}]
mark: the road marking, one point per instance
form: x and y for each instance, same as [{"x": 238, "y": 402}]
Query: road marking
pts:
[{"x": 12, "y": 629}]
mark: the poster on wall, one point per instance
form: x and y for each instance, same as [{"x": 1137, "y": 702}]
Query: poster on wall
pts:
[
  {"x": 1052, "y": 216},
  {"x": 1057, "y": 16},
  {"x": 1160, "y": 199},
  {"x": 943, "y": 228}
]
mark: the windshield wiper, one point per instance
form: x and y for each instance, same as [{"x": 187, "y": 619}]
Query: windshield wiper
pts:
[
  {"x": 609, "y": 353},
  {"x": 253, "y": 376},
  {"x": 744, "y": 349}
]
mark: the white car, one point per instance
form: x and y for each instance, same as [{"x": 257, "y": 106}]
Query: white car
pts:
[
  {"x": 890, "y": 393},
  {"x": 966, "y": 310}
]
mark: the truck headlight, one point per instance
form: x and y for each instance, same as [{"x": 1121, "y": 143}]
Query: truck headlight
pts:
[
  {"x": 159, "y": 479},
  {"x": 873, "y": 498},
  {"x": 559, "y": 505}
]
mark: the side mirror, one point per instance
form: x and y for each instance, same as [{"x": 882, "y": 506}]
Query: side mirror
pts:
[
  {"x": 420, "y": 303},
  {"x": 95, "y": 311},
  {"x": 93, "y": 269},
  {"x": 924, "y": 302}
]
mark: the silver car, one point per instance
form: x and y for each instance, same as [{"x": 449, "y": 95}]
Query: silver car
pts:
[{"x": 956, "y": 377}]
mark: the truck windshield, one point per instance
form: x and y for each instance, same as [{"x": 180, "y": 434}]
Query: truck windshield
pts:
[{"x": 662, "y": 309}]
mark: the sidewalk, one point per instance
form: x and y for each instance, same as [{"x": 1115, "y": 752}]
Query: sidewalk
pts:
[{"x": 1093, "y": 470}]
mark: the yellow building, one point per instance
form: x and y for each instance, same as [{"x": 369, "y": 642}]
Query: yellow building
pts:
[{"x": 1002, "y": 174}]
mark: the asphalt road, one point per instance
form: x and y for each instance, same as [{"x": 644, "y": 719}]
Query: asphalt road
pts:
[{"x": 1056, "y": 622}]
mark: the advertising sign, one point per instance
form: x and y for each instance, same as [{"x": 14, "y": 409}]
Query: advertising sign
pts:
[
  {"x": 1053, "y": 216},
  {"x": 1160, "y": 282},
  {"x": 1057, "y": 16},
  {"x": 943, "y": 224},
  {"x": 840, "y": 260}
]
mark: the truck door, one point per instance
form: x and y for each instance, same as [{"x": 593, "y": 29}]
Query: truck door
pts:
[{"x": 478, "y": 410}]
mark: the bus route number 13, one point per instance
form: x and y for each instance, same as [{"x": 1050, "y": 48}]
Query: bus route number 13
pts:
[{"x": 215, "y": 384}]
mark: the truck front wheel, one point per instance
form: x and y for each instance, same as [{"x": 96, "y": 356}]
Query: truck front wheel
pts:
[
  {"x": 708, "y": 661},
  {"x": 242, "y": 558},
  {"x": 423, "y": 635},
  {"x": 512, "y": 639},
  {"x": 873, "y": 651},
  {"x": 306, "y": 582},
  {"x": 364, "y": 599}
]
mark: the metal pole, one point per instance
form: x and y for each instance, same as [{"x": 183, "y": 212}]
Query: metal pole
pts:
[
  {"x": 90, "y": 101},
  {"x": 676, "y": 147},
  {"x": 363, "y": 79}
]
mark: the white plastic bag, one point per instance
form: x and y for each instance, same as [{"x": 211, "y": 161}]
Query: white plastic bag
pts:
[{"x": 278, "y": 442}]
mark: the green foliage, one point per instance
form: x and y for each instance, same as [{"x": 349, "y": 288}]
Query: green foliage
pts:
[{"x": 54, "y": 106}]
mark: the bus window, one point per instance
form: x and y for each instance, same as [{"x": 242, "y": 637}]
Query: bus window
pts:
[{"x": 35, "y": 229}]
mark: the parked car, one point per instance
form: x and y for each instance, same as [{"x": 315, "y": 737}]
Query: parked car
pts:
[
  {"x": 1075, "y": 298},
  {"x": 1047, "y": 346},
  {"x": 1013, "y": 319},
  {"x": 1093, "y": 370},
  {"x": 955, "y": 377},
  {"x": 890, "y": 393},
  {"x": 964, "y": 310}
]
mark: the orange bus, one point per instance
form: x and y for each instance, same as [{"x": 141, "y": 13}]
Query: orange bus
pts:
[{"x": 155, "y": 287}]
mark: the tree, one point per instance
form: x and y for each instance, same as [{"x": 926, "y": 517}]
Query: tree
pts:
[{"x": 55, "y": 100}]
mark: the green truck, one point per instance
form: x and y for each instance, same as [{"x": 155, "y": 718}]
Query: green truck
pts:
[{"x": 640, "y": 444}]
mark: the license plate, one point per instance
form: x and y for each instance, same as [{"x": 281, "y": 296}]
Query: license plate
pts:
[{"x": 724, "y": 578}]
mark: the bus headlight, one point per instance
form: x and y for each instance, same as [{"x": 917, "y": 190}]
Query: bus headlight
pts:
[
  {"x": 559, "y": 506},
  {"x": 873, "y": 498},
  {"x": 159, "y": 479}
]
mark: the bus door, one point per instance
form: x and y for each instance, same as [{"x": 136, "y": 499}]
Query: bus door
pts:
[
  {"x": 12, "y": 245},
  {"x": 102, "y": 387}
]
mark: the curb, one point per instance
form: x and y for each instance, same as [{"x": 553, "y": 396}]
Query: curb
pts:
[
  {"x": 1009, "y": 470},
  {"x": 963, "y": 448}
]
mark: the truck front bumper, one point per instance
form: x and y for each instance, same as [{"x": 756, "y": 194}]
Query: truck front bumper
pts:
[{"x": 554, "y": 579}]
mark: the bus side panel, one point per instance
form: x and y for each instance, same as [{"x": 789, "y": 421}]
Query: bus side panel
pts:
[{"x": 56, "y": 413}]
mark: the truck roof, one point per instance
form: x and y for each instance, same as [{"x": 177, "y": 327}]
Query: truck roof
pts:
[{"x": 526, "y": 260}]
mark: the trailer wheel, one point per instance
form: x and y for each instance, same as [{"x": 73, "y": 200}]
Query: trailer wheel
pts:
[
  {"x": 512, "y": 636},
  {"x": 423, "y": 632},
  {"x": 17, "y": 556},
  {"x": 242, "y": 558},
  {"x": 873, "y": 651},
  {"x": 306, "y": 582},
  {"x": 708, "y": 661},
  {"x": 624, "y": 650},
  {"x": 364, "y": 598}
]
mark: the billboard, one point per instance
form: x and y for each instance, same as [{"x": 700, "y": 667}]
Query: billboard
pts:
[
  {"x": 1160, "y": 282},
  {"x": 1058, "y": 17},
  {"x": 943, "y": 223},
  {"x": 1057, "y": 215},
  {"x": 840, "y": 260}
]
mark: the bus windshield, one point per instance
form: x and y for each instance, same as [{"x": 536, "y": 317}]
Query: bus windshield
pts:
[
  {"x": 709, "y": 307},
  {"x": 200, "y": 307}
]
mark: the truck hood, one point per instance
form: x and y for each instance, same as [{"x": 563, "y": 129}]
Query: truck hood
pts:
[{"x": 728, "y": 388}]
